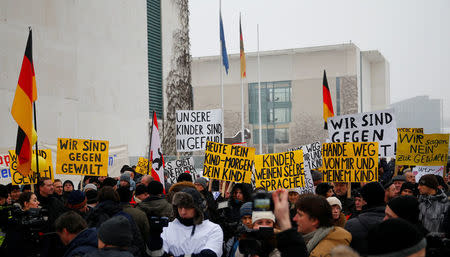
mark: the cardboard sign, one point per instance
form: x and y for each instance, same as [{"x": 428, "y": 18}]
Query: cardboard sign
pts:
[
  {"x": 350, "y": 162},
  {"x": 142, "y": 166},
  {"x": 5, "y": 173},
  {"x": 176, "y": 167},
  {"x": 312, "y": 155},
  {"x": 195, "y": 128},
  {"x": 376, "y": 126},
  {"x": 422, "y": 149},
  {"x": 82, "y": 157},
  {"x": 280, "y": 170},
  {"x": 31, "y": 179},
  {"x": 309, "y": 184},
  {"x": 228, "y": 162},
  {"x": 419, "y": 171}
]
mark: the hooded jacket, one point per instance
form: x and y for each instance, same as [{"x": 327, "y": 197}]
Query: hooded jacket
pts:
[
  {"x": 156, "y": 206},
  {"x": 85, "y": 242},
  {"x": 432, "y": 211},
  {"x": 360, "y": 225}
]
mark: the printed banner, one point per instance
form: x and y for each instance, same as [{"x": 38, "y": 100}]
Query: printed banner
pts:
[
  {"x": 280, "y": 170},
  {"x": 419, "y": 171},
  {"x": 195, "y": 128},
  {"x": 228, "y": 162},
  {"x": 82, "y": 157},
  {"x": 376, "y": 126},
  {"x": 176, "y": 167},
  {"x": 350, "y": 162},
  {"x": 142, "y": 166},
  {"x": 422, "y": 149},
  {"x": 5, "y": 161},
  {"x": 45, "y": 171}
]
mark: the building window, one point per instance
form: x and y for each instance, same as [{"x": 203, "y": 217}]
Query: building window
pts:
[
  {"x": 272, "y": 136},
  {"x": 154, "y": 58}
]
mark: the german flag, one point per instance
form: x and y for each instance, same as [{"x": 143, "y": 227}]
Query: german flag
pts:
[
  {"x": 241, "y": 40},
  {"x": 22, "y": 110},
  {"x": 327, "y": 103}
]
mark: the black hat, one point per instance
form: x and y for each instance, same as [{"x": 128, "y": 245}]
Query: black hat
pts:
[
  {"x": 155, "y": 188},
  {"x": 323, "y": 188},
  {"x": 109, "y": 182},
  {"x": 141, "y": 189},
  {"x": 184, "y": 177},
  {"x": 406, "y": 207},
  {"x": 116, "y": 232},
  {"x": 373, "y": 194},
  {"x": 91, "y": 196},
  {"x": 399, "y": 178},
  {"x": 396, "y": 237},
  {"x": 430, "y": 181},
  {"x": 410, "y": 186},
  {"x": 76, "y": 200},
  {"x": 68, "y": 182},
  {"x": 190, "y": 198}
]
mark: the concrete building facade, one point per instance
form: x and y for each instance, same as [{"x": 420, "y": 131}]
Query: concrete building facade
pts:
[{"x": 291, "y": 85}]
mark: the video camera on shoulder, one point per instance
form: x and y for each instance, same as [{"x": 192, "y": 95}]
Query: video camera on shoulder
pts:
[
  {"x": 34, "y": 219},
  {"x": 158, "y": 221},
  {"x": 253, "y": 241},
  {"x": 262, "y": 201}
]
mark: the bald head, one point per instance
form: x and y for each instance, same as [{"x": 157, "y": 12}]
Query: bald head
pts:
[{"x": 146, "y": 179}]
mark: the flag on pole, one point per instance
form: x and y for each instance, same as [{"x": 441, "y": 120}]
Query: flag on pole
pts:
[
  {"x": 327, "y": 103},
  {"x": 241, "y": 38},
  {"x": 222, "y": 43},
  {"x": 156, "y": 153},
  {"x": 22, "y": 111}
]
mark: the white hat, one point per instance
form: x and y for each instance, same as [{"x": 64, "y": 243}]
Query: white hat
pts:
[
  {"x": 90, "y": 186},
  {"x": 259, "y": 215},
  {"x": 297, "y": 190},
  {"x": 334, "y": 201}
]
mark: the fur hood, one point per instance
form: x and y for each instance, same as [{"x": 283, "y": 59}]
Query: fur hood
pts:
[{"x": 190, "y": 198}]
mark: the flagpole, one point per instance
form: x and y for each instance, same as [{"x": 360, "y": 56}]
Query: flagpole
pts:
[
  {"x": 150, "y": 145},
  {"x": 36, "y": 146},
  {"x": 259, "y": 93},
  {"x": 242, "y": 92},
  {"x": 221, "y": 78}
]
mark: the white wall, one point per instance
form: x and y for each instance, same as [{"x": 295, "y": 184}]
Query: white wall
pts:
[{"x": 90, "y": 59}]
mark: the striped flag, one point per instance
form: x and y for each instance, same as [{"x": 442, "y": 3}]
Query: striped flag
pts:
[
  {"x": 223, "y": 45},
  {"x": 241, "y": 38},
  {"x": 22, "y": 111},
  {"x": 327, "y": 103},
  {"x": 156, "y": 155}
]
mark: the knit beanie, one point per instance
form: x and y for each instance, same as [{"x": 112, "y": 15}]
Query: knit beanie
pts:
[
  {"x": 373, "y": 194},
  {"x": 116, "y": 232},
  {"x": 399, "y": 178},
  {"x": 396, "y": 237},
  {"x": 334, "y": 201},
  {"x": 297, "y": 190},
  {"x": 406, "y": 207},
  {"x": 202, "y": 182},
  {"x": 430, "y": 181},
  {"x": 184, "y": 177},
  {"x": 109, "y": 182},
  {"x": 155, "y": 188},
  {"x": 259, "y": 215},
  {"x": 246, "y": 209},
  {"x": 322, "y": 188},
  {"x": 410, "y": 186},
  {"x": 76, "y": 200},
  {"x": 68, "y": 182},
  {"x": 125, "y": 177},
  {"x": 89, "y": 187},
  {"x": 141, "y": 189},
  {"x": 91, "y": 196}
]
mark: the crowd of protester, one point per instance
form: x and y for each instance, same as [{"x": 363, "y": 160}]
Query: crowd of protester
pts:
[{"x": 134, "y": 215}]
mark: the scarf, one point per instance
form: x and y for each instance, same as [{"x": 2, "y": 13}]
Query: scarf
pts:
[{"x": 312, "y": 239}]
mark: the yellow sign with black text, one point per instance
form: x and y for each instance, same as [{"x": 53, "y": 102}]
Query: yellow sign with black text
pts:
[
  {"x": 45, "y": 168},
  {"x": 142, "y": 166},
  {"x": 420, "y": 149}
]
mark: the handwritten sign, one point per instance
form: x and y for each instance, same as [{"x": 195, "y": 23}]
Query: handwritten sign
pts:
[
  {"x": 419, "y": 171},
  {"x": 228, "y": 162},
  {"x": 376, "y": 126},
  {"x": 142, "y": 166},
  {"x": 195, "y": 128},
  {"x": 176, "y": 167},
  {"x": 312, "y": 155},
  {"x": 44, "y": 171},
  {"x": 82, "y": 157},
  {"x": 280, "y": 170},
  {"x": 350, "y": 162},
  {"x": 422, "y": 149}
]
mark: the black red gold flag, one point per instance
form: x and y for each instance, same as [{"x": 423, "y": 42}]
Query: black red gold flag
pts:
[{"x": 327, "y": 103}]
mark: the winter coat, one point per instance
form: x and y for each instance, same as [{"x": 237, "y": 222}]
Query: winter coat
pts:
[
  {"x": 139, "y": 217},
  {"x": 337, "y": 236},
  {"x": 156, "y": 206},
  {"x": 432, "y": 211},
  {"x": 110, "y": 252},
  {"x": 54, "y": 207},
  {"x": 85, "y": 242},
  {"x": 359, "y": 227},
  {"x": 179, "y": 240},
  {"x": 348, "y": 204},
  {"x": 341, "y": 221},
  {"x": 212, "y": 205},
  {"x": 291, "y": 244}
]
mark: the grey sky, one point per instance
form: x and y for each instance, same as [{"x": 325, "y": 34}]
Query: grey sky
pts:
[{"x": 413, "y": 35}]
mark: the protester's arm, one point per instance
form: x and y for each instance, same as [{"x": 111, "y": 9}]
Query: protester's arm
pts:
[
  {"x": 155, "y": 243},
  {"x": 213, "y": 246},
  {"x": 289, "y": 241}
]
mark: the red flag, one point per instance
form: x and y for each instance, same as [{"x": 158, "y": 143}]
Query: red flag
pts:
[
  {"x": 156, "y": 153},
  {"x": 327, "y": 103},
  {"x": 22, "y": 111}
]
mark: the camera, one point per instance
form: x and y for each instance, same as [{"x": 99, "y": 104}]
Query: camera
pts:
[
  {"x": 33, "y": 220},
  {"x": 262, "y": 201},
  {"x": 256, "y": 242},
  {"x": 158, "y": 221}
]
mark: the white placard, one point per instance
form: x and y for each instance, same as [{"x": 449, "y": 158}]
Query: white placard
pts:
[
  {"x": 176, "y": 167},
  {"x": 419, "y": 171}
]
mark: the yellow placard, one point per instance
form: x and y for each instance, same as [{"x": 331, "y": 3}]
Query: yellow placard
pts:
[
  {"x": 228, "y": 162},
  {"x": 280, "y": 170},
  {"x": 45, "y": 170},
  {"x": 350, "y": 162},
  {"x": 142, "y": 166},
  {"x": 82, "y": 157},
  {"x": 421, "y": 149},
  {"x": 415, "y": 130}
]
